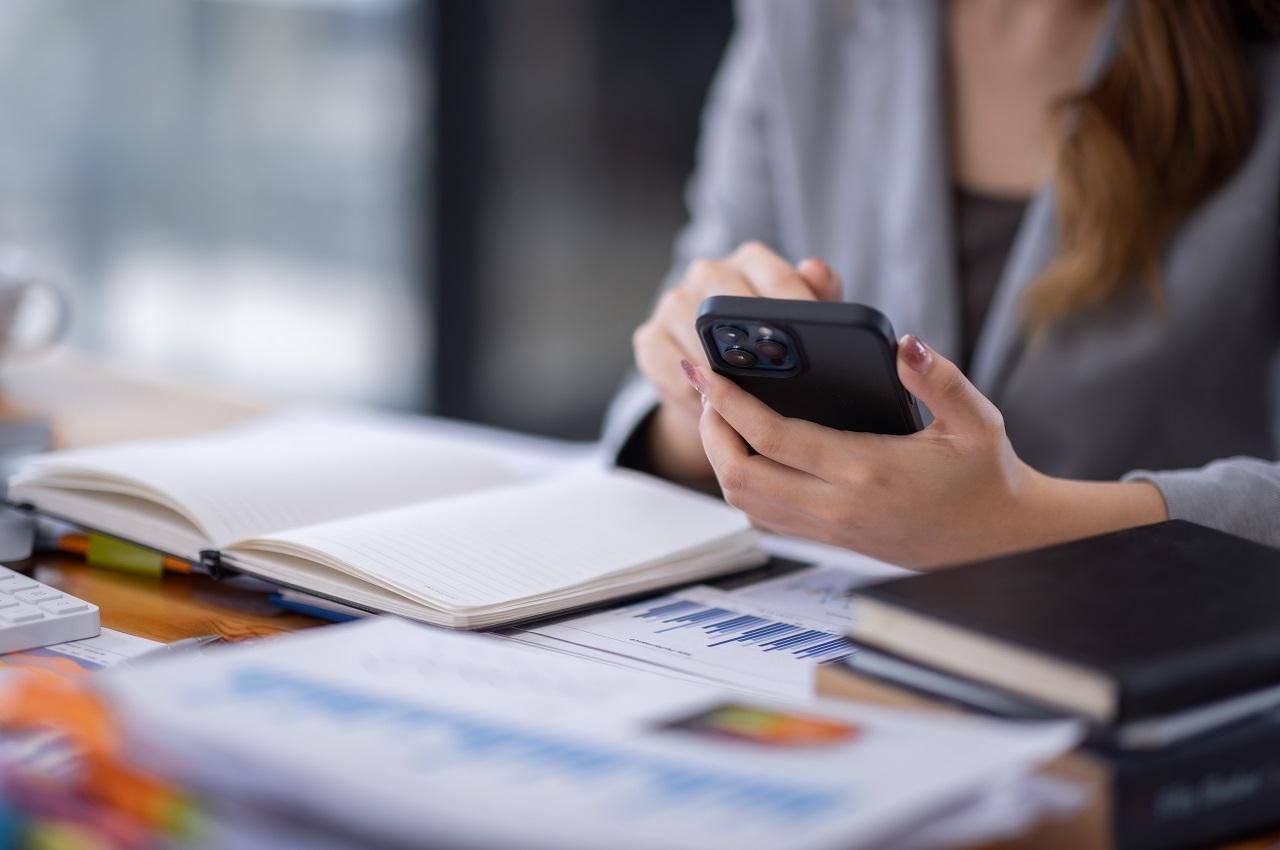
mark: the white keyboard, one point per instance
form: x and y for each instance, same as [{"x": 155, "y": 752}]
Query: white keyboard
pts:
[{"x": 33, "y": 614}]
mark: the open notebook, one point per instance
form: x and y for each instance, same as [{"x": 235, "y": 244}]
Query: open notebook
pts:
[{"x": 389, "y": 518}]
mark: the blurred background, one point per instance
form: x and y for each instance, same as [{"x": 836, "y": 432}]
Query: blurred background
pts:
[{"x": 452, "y": 206}]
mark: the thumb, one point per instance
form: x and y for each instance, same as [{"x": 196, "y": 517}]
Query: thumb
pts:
[
  {"x": 933, "y": 379},
  {"x": 822, "y": 279}
]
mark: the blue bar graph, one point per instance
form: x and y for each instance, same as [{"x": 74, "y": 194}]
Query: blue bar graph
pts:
[{"x": 724, "y": 627}]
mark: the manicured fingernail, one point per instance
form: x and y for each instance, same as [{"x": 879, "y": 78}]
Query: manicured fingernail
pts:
[
  {"x": 916, "y": 353},
  {"x": 695, "y": 377}
]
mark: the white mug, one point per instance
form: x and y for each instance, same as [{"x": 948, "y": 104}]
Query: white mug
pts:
[{"x": 35, "y": 312}]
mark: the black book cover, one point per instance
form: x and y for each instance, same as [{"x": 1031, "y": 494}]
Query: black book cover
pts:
[
  {"x": 1218, "y": 787},
  {"x": 1176, "y": 614}
]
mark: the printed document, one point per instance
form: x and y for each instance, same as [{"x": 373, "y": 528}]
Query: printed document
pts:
[{"x": 413, "y": 734}]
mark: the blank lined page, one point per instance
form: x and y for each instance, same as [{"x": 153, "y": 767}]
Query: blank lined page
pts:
[
  {"x": 520, "y": 541},
  {"x": 283, "y": 472}
]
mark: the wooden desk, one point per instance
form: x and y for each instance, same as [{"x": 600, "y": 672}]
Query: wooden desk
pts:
[
  {"x": 169, "y": 608},
  {"x": 90, "y": 403}
]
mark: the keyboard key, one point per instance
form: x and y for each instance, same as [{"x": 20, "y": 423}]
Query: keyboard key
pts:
[
  {"x": 65, "y": 605},
  {"x": 37, "y": 594},
  {"x": 21, "y": 614},
  {"x": 13, "y": 583},
  {"x": 33, "y": 614}
]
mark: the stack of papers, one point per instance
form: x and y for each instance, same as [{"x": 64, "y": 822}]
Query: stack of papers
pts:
[{"x": 403, "y": 733}]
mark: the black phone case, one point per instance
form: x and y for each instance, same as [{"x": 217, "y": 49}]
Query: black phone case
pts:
[{"x": 846, "y": 376}]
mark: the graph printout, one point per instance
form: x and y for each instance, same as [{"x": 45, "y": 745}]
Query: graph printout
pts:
[{"x": 767, "y": 637}]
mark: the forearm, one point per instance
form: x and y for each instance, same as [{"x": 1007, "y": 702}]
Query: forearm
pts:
[
  {"x": 1057, "y": 509},
  {"x": 674, "y": 451}
]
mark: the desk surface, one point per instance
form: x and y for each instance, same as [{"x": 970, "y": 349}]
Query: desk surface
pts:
[
  {"x": 89, "y": 403},
  {"x": 169, "y": 608}
]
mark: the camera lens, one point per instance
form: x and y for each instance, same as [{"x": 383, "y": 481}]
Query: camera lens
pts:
[
  {"x": 729, "y": 335},
  {"x": 771, "y": 349},
  {"x": 739, "y": 357}
]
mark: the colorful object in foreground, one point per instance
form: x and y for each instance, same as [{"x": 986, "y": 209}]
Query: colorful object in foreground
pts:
[
  {"x": 99, "y": 550},
  {"x": 102, "y": 801},
  {"x": 766, "y": 727}
]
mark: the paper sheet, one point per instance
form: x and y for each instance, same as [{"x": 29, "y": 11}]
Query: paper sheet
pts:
[
  {"x": 728, "y": 638},
  {"x": 530, "y": 539},
  {"x": 768, "y": 636},
  {"x": 419, "y": 735},
  {"x": 81, "y": 657},
  {"x": 279, "y": 472}
]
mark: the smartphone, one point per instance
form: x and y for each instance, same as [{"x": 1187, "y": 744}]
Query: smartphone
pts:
[{"x": 830, "y": 363}]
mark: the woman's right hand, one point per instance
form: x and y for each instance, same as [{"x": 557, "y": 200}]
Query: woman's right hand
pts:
[{"x": 674, "y": 444}]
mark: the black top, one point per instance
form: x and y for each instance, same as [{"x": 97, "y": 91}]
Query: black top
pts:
[
  {"x": 1175, "y": 614},
  {"x": 985, "y": 227}
]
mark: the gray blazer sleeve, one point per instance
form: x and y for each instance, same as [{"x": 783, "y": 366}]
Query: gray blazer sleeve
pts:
[
  {"x": 1240, "y": 495},
  {"x": 730, "y": 196}
]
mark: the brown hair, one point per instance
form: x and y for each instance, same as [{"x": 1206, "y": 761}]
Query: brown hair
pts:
[{"x": 1156, "y": 134}]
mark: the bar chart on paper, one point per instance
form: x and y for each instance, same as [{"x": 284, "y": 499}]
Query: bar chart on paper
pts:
[
  {"x": 715, "y": 626},
  {"x": 767, "y": 637}
]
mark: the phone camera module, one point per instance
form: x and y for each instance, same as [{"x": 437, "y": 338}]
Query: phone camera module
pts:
[
  {"x": 771, "y": 349},
  {"x": 746, "y": 344},
  {"x": 739, "y": 357},
  {"x": 728, "y": 335}
]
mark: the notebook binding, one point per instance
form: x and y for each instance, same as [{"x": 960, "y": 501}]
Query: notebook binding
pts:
[{"x": 211, "y": 561}]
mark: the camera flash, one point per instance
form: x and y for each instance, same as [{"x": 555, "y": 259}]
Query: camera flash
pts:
[{"x": 763, "y": 331}]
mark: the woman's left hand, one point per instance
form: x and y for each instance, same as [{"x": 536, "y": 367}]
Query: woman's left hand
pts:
[{"x": 952, "y": 492}]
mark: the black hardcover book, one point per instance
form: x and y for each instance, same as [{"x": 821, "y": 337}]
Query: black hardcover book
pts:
[
  {"x": 1150, "y": 733},
  {"x": 1139, "y": 623},
  {"x": 1217, "y": 787}
]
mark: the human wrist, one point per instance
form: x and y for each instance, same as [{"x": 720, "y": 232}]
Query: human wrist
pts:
[{"x": 1055, "y": 510}]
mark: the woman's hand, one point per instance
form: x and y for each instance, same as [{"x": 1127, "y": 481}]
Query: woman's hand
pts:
[
  {"x": 953, "y": 492},
  {"x": 668, "y": 337}
]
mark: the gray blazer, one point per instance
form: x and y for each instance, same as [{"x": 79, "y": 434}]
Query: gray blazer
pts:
[{"x": 825, "y": 135}]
